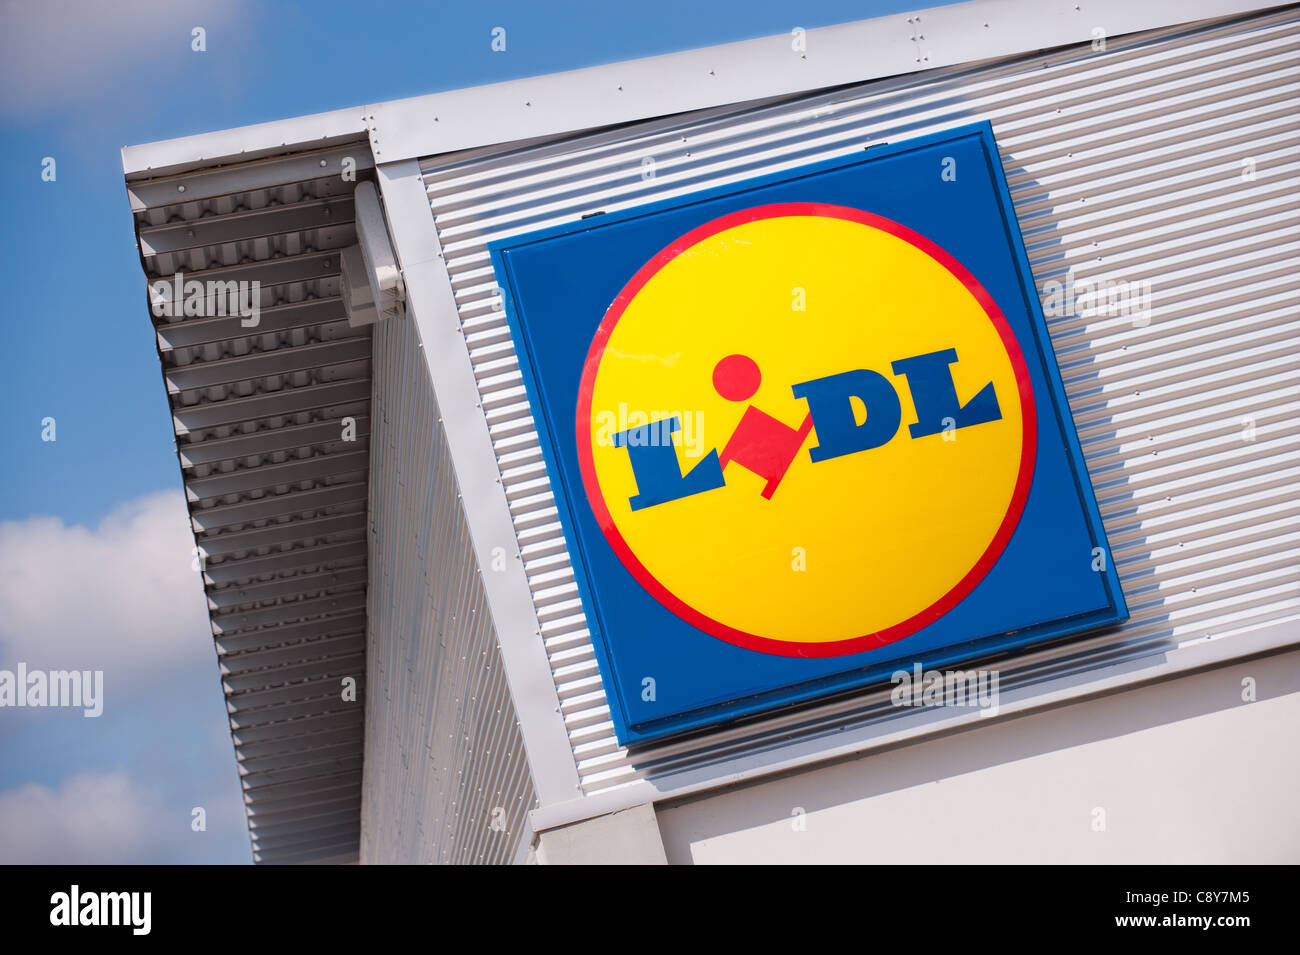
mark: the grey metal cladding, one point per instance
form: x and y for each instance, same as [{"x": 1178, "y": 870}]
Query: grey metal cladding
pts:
[{"x": 446, "y": 776}]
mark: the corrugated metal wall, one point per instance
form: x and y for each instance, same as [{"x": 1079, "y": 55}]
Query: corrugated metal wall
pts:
[
  {"x": 1170, "y": 157},
  {"x": 445, "y": 776}
]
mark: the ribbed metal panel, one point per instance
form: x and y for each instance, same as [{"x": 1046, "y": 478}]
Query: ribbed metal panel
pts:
[
  {"x": 277, "y": 496},
  {"x": 446, "y": 776},
  {"x": 1125, "y": 164}
]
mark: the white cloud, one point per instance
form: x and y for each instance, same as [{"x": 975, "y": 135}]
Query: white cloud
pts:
[
  {"x": 100, "y": 818},
  {"x": 90, "y": 819},
  {"x": 57, "y": 52},
  {"x": 122, "y": 597}
]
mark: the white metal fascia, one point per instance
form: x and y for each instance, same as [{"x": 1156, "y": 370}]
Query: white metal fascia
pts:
[
  {"x": 759, "y": 69},
  {"x": 680, "y": 82},
  {"x": 430, "y": 302},
  {"x": 171, "y": 156}
]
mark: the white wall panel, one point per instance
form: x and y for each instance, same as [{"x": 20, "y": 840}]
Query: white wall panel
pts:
[{"x": 1183, "y": 772}]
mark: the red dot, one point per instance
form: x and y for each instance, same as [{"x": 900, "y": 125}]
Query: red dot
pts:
[{"x": 736, "y": 377}]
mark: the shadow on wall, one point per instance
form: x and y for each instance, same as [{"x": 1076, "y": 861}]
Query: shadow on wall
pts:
[{"x": 1071, "y": 297}]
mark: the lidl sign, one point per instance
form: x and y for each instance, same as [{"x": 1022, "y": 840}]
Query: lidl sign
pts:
[{"x": 804, "y": 431}]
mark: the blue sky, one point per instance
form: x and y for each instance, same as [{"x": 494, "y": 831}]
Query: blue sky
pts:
[{"x": 93, "y": 547}]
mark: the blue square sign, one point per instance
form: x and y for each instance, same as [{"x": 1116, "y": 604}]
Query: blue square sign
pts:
[{"x": 806, "y": 431}]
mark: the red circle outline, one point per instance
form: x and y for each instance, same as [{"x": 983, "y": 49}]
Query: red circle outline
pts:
[{"x": 722, "y": 631}]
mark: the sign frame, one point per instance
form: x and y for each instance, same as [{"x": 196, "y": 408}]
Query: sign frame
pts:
[{"x": 1052, "y": 412}]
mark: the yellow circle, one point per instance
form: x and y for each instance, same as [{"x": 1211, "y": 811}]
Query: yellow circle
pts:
[{"x": 846, "y": 547}]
